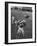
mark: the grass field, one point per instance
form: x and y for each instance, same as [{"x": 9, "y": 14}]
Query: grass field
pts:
[{"x": 19, "y": 15}]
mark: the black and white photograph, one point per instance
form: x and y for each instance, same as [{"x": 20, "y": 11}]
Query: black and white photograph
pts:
[
  {"x": 20, "y": 18},
  {"x": 21, "y": 22}
]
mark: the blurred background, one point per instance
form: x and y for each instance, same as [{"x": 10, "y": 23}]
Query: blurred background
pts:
[{"x": 20, "y": 13}]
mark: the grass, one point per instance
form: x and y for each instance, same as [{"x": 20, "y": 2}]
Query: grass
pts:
[{"x": 19, "y": 15}]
